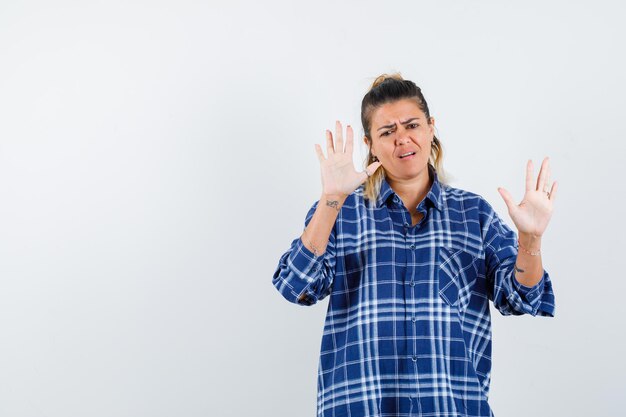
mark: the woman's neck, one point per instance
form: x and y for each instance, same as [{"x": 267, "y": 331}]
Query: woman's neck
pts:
[{"x": 412, "y": 191}]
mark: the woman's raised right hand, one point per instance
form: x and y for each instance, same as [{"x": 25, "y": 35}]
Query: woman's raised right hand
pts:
[{"x": 339, "y": 177}]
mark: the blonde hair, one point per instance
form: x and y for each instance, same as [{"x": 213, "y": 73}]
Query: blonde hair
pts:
[{"x": 388, "y": 88}]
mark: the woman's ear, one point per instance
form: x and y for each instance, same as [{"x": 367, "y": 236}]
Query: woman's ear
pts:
[{"x": 368, "y": 143}]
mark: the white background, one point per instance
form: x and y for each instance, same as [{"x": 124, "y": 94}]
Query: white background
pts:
[{"x": 156, "y": 159}]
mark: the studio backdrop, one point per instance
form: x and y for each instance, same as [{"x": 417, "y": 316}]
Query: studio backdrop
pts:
[{"x": 157, "y": 158}]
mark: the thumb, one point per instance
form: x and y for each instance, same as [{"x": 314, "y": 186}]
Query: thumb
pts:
[
  {"x": 508, "y": 199},
  {"x": 371, "y": 168},
  {"x": 369, "y": 171}
]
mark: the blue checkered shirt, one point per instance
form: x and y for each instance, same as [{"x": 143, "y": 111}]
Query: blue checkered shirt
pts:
[{"x": 408, "y": 328}]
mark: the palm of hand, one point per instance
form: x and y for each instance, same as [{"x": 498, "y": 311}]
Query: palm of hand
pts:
[
  {"x": 533, "y": 214},
  {"x": 339, "y": 177}
]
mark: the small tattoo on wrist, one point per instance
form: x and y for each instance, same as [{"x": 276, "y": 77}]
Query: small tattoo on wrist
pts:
[
  {"x": 333, "y": 203},
  {"x": 518, "y": 269}
]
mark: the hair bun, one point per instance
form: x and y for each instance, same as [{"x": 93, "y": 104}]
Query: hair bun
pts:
[{"x": 379, "y": 80}]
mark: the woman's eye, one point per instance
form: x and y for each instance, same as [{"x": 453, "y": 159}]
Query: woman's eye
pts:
[
  {"x": 386, "y": 133},
  {"x": 413, "y": 126}
]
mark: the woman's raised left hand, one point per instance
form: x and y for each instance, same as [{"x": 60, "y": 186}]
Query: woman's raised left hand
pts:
[{"x": 532, "y": 215}]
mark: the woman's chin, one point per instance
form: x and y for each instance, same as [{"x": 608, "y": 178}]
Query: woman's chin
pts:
[{"x": 408, "y": 173}]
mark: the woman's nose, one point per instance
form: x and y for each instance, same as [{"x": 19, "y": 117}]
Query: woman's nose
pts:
[{"x": 401, "y": 137}]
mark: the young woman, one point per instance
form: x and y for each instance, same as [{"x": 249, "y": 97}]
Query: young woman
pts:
[{"x": 410, "y": 265}]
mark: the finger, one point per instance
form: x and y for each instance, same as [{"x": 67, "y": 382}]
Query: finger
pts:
[
  {"x": 371, "y": 169},
  {"x": 555, "y": 186},
  {"x": 529, "y": 175},
  {"x": 349, "y": 140},
  {"x": 320, "y": 154},
  {"x": 546, "y": 184},
  {"x": 330, "y": 149},
  {"x": 541, "y": 179},
  {"x": 338, "y": 137},
  {"x": 508, "y": 199}
]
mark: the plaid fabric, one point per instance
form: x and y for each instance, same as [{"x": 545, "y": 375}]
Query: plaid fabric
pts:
[{"x": 408, "y": 329}]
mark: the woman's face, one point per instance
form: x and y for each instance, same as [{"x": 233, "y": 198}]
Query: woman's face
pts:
[{"x": 401, "y": 139}]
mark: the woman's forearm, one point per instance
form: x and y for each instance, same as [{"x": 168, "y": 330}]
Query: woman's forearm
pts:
[
  {"x": 528, "y": 266},
  {"x": 315, "y": 236}
]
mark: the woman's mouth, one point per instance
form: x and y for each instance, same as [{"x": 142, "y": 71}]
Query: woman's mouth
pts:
[{"x": 407, "y": 155}]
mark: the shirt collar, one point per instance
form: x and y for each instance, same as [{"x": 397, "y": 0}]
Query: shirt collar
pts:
[{"x": 434, "y": 194}]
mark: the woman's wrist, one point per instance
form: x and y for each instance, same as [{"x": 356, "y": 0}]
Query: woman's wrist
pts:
[
  {"x": 530, "y": 242},
  {"x": 334, "y": 201}
]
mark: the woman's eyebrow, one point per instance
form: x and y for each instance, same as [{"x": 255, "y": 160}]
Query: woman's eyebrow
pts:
[{"x": 392, "y": 125}]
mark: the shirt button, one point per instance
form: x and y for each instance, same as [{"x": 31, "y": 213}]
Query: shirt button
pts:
[
  {"x": 314, "y": 269},
  {"x": 406, "y": 224},
  {"x": 413, "y": 319},
  {"x": 412, "y": 283},
  {"x": 414, "y": 358},
  {"x": 412, "y": 247}
]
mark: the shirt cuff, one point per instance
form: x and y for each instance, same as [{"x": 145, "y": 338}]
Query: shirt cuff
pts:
[
  {"x": 305, "y": 269},
  {"x": 530, "y": 294},
  {"x": 305, "y": 262},
  {"x": 535, "y": 300}
]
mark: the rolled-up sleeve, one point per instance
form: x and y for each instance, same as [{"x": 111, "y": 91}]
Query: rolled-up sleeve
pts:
[
  {"x": 508, "y": 295},
  {"x": 301, "y": 277}
]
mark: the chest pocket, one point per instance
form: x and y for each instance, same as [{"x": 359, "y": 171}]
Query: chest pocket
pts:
[{"x": 458, "y": 271}]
